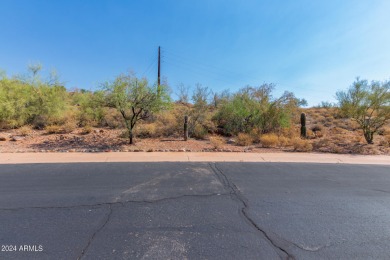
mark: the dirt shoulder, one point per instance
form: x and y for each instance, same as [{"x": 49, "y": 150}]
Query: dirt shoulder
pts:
[{"x": 21, "y": 158}]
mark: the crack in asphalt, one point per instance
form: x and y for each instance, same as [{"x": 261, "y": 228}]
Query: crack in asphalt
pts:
[
  {"x": 385, "y": 191},
  {"x": 95, "y": 233},
  {"x": 236, "y": 194},
  {"x": 119, "y": 202},
  {"x": 110, "y": 205}
]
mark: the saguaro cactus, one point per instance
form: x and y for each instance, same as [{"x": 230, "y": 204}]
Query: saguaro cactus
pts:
[
  {"x": 185, "y": 128},
  {"x": 303, "y": 125}
]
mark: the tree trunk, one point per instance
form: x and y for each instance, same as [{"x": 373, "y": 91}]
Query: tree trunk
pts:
[
  {"x": 130, "y": 136},
  {"x": 369, "y": 136}
]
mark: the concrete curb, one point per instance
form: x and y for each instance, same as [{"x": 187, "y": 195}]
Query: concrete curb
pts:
[{"x": 24, "y": 158}]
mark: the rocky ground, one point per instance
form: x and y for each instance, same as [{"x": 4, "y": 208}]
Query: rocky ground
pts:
[
  {"x": 109, "y": 140},
  {"x": 334, "y": 140}
]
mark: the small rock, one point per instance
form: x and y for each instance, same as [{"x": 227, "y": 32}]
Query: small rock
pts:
[
  {"x": 231, "y": 141},
  {"x": 182, "y": 150},
  {"x": 16, "y": 138},
  {"x": 101, "y": 131},
  {"x": 2, "y": 138},
  {"x": 72, "y": 150},
  {"x": 150, "y": 150}
]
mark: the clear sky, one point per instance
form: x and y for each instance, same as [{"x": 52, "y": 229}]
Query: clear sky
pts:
[{"x": 310, "y": 47}]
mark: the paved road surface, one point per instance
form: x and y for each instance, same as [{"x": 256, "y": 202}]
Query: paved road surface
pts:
[{"x": 194, "y": 211}]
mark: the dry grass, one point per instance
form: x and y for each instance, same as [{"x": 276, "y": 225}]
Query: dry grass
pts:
[
  {"x": 25, "y": 130},
  {"x": 284, "y": 141},
  {"x": 112, "y": 118},
  {"x": 269, "y": 140},
  {"x": 200, "y": 132},
  {"x": 69, "y": 127},
  {"x": 244, "y": 139},
  {"x": 86, "y": 130},
  {"x": 53, "y": 129},
  {"x": 385, "y": 141},
  {"x": 301, "y": 145},
  {"x": 217, "y": 142},
  {"x": 147, "y": 130}
]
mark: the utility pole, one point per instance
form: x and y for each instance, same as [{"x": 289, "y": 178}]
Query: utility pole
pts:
[{"x": 158, "y": 71}]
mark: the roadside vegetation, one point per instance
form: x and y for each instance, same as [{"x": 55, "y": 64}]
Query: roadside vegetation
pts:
[{"x": 251, "y": 117}]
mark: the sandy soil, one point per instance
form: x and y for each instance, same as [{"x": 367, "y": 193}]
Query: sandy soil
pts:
[{"x": 109, "y": 140}]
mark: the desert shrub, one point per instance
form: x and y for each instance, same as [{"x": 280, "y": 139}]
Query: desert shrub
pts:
[
  {"x": 301, "y": 145},
  {"x": 199, "y": 132},
  {"x": 386, "y": 141},
  {"x": 384, "y": 130},
  {"x": 90, "y": 107},
  {"x": 200, "y": 115},
  {"x": 168, "y": 123},
  {"x": 255, "y": 107},
  {"x": 217, "y": 142},
  {"x": 48, "y": 105},
  {"x": 112, "y": 118},
  {"x": 255, "y": 133},
  {"x": 14, "y": 99},
  {"x": 31, "y": 100},
  {"x": 25, "y": 130},
  {"x": 269, "y": 140},
  {"x": 326, "y": 104},
  {"x": 319, "y": 134},
  {"x": 53, "y": 129},
  {"x": 86, "y": 130},
  {"x": 68, "y": 127},
  {"x": 236, "y": 115},
  {"x": 316, "y": 128},
  {"x": 244, "y": 139},
  {"x": 146, "y": 130},
  {"x": 284, "y": 141}
]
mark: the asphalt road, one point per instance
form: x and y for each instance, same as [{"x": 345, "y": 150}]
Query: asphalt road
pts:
[{"x": 194, "y": 211}]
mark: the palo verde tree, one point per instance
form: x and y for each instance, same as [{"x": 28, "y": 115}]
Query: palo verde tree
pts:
[
  {"x": 29, "y": 99},
  {"x": 135, "y": 99},
  {"x": 368, "y": 104},
  {"x": 255, "y": 108}
]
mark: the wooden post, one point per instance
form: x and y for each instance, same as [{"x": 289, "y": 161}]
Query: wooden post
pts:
[{"x": 185, "y": 128}]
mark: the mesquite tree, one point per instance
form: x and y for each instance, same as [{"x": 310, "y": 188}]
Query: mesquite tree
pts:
[
  {"x": 135, "y": 99},
  {"x": 367, "y": 104}
]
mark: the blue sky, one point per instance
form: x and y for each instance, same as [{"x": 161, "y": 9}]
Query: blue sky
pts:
[{"x": 312, "y": 48}]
